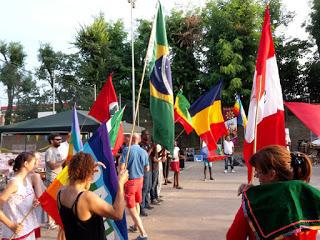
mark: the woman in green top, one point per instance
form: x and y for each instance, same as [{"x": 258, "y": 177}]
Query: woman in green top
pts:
[{"x": 284, "y": 205}]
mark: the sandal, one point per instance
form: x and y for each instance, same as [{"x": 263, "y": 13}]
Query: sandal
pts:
[{"x": 133, "y": 229}]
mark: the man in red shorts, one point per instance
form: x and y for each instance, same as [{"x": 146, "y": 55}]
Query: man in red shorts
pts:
[{"x": 137, "y": 164}]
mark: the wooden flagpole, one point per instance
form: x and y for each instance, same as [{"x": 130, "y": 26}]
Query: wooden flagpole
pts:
[
  {"x": 259, "y": 79},
  {"x": 23, "y": 219},
  {"x": 179, "y": 134},
  {"x": 141, "y": 84}
]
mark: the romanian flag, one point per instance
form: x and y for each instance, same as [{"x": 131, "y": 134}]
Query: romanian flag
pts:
[
  {"x": 181, "y": 113},
  {"x": 239, "y": 112},
  {"x": 161, "y": 94},
  {"x": 207, "y": 117},
  {"x": 48, "y": 198}
]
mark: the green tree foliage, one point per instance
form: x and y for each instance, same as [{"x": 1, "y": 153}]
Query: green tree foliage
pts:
[
  {"x": 103, "y": 49},
  {"x": 231, "y": 35},
  {"x": 314, "y": 26},
  {"x": 11, "y": 73},
  {"x": 29, "y": 100},
  {"x": 185, "y": 34},
  {"x": 62, "y": 70},
  {"x": 313, "y": 66},
  {"x": 292, "y": 73},
  {"x": 313, "y": 81},
  {"x": 141, "y": 41}
]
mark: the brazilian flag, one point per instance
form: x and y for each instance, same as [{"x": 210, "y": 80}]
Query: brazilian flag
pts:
[{"x": 161, "y": 94}]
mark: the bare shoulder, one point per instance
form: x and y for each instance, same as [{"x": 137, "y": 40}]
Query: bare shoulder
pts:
[
  {"x": 11, "y": 187},
  {"x": 35, "y": 176},
  {"x": 90, "y": 196}
]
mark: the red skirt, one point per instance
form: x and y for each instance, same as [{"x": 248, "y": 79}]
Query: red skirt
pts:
[{"x": 175, "y": 166}]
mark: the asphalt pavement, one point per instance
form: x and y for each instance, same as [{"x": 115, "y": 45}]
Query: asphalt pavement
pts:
[{"x": 202, "y": 210}]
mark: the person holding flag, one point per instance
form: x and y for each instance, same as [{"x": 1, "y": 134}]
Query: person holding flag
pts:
[
  {"x": 205, "y": 153},
  {"x": 81, "y": 210},
  {"x": 137, "y": 164}
]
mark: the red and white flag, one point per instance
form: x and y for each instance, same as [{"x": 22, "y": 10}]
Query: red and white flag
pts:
[
  {"x": 266, "y": 94},
  {"x": 106, "y": 104},
  {"x": 105, "y": 107}
]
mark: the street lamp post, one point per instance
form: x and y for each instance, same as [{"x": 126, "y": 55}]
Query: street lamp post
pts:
[{"x": 132, "y": 6}]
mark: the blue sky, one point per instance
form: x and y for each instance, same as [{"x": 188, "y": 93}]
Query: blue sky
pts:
[{"x": 33, "y": 22}]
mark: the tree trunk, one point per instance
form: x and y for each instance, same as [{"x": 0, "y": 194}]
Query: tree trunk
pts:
[{"x": 8, "y": 116}]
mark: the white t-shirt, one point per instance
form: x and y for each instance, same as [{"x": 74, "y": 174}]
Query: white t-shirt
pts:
[
  {"x": 175, "y": 154},
  {"x": 52, "y": 155},
  {"x": 228, "y": 147},
  {"x": 64, "y": 149}
]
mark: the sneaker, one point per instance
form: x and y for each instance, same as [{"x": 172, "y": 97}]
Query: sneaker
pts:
[
  {"x": 225, "y": 171},
  {"x": 133, "y": 229},
  {"x": 149, "y": 207},
  {"x": 178, "y": 187},
  {"x": 155, "y": 202},
  {"x": 159, "y": 200},
  {"x": 143, "y": 213},
  {"x": 233, "y": 171},
  {"x": 212, "y": 179},
  {"x": 204, "y": 180},
  {"x": 141, "y": 238}
]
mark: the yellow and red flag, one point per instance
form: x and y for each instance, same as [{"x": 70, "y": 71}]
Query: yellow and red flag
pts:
[
  {"x": 207, "y": 118},
  {"x": 181, "y": 113}
]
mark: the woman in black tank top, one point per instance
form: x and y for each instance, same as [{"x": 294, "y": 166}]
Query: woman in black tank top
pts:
[
  {"x": 75, "y": 228},
  {"x": 82, "y": 211}
]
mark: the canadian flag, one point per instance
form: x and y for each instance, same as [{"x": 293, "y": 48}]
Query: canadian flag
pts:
[{"x": 265, "y": 124}]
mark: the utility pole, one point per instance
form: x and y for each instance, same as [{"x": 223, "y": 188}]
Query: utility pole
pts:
[
  {"x": 132, "y": 6},
  {"x": 95, "y": 91},
  {"x": 53, "y": 93}
]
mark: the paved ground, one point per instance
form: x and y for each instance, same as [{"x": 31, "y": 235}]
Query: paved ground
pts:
[{"x": 202, "y": 210}]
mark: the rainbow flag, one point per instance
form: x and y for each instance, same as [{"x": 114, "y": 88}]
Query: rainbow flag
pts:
[
  {"x": 48, "y": 198},
  {"x": 181, "y": 113},
  {"x": 105, "y": 184},
  {"x": 239, "y": 112},
  {"x": 161, "y": 93},
  {"x": 75, "y": 143},
  {"x": 207, "y": 118}
]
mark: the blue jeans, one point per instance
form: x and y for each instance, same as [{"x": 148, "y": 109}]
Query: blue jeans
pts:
[
  {"x": 228, "y": 161},
  {"x": 147, "y": 182},
  {"x": 154, "y": 192}
]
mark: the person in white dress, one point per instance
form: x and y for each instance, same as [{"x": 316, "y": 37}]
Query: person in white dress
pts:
[{"x": 17, "y": 199}]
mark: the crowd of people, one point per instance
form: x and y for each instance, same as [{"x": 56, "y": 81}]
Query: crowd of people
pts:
[
  {"x": 283, "y": 188},
  {"x": 148, "y": 166}
]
